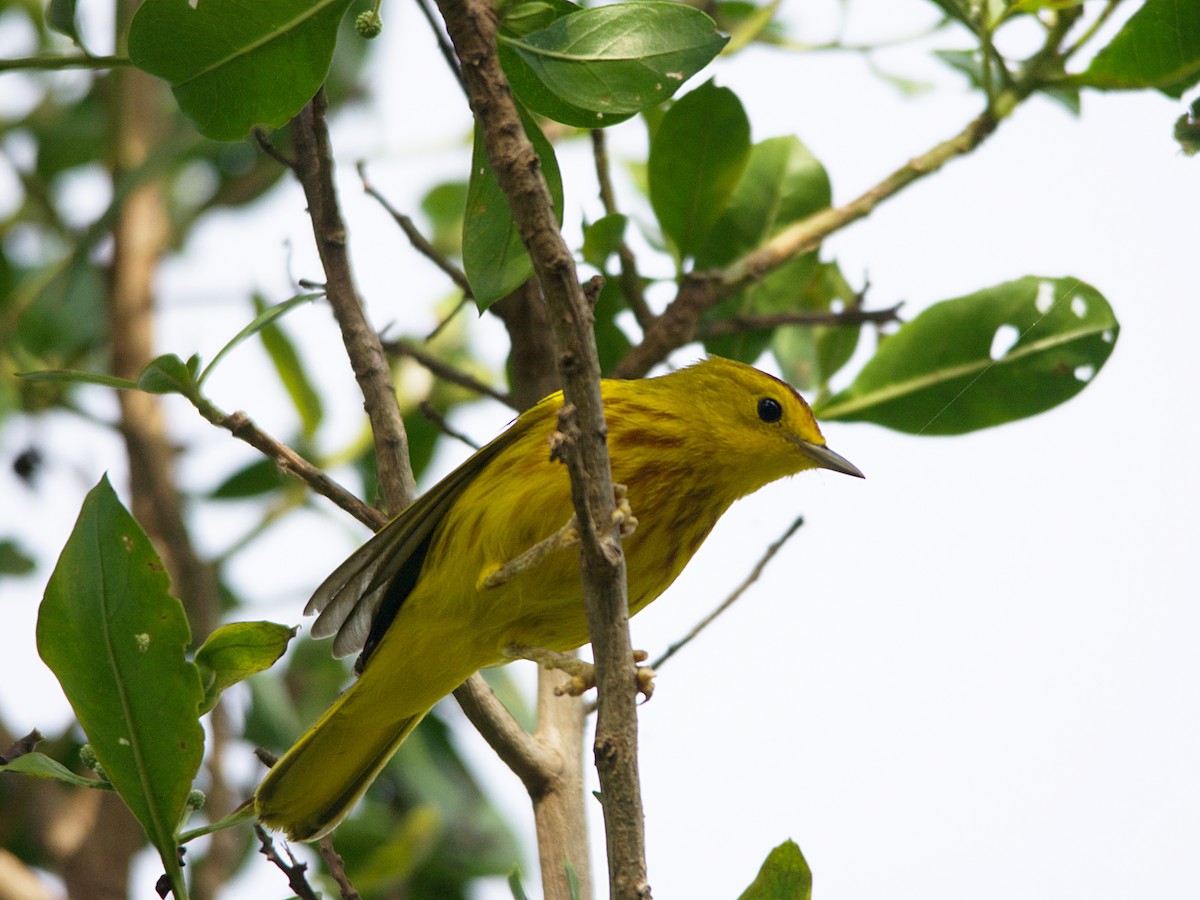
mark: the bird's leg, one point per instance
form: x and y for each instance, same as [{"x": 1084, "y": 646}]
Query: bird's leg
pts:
[
  {"x": 582, "y": 674},
  {"x": 565, "y": 537}
]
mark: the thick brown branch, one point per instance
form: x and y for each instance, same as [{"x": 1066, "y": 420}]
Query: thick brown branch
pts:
[
  {"x": 314, "y": 168},
  {"x": 533, "y": 761},
  {"x": 472, "y": 28}
]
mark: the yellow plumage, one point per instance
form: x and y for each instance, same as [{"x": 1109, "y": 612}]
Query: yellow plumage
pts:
[{"x": 686, "y": 445}]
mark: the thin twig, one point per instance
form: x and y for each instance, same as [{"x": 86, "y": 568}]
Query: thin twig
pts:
[
  {"x": 267, "y": 146},
  {"x": 442, "y": 369},
  {"x": 431, "y": 412},
  {"x": 294, "y": 872},
  {"x": 1090, "y": 31},
  {"x": 630, "y": 281},
  {"x": 418, "y": 240},
  {"x": 847, "y": 317},
  {"x": 56, "y": 63},
  {"x": 458, "y": 307},
  {"x": 337, "y": 869},
  {"x": 754, "y": 575},
  {"x": 241, "y": 427},
  {"x": 443, "y": 45}
]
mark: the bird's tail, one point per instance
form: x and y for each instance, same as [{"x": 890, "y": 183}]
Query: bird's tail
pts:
[{"x": 316, "y": 783}]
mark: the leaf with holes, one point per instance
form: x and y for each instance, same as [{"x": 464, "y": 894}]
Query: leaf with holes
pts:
[
  {"x": 115, "y": 638},
  {"x": 1158, "y": 47},
  {"x": 991, "y": 357}
]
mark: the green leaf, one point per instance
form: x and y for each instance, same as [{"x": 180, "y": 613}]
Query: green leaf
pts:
[
  {"x": 494, "y": 257},
  {"x": 602, "y": 238},
  {"x": 782, "y": 183},
  {"x": 620, "y": 59},
  {"x": 115, "y": 638},
  {"x": 167, "y": 374},
  {"x": 535, "y": 96},
  {"x": 516, "y": 885},
  {"x": 61, "y": 17},
  {"x": 264, "y": 318},
  {"x": 234, "y": 65},
  {"x": 994, "y": 356},
  {"x": 810, "y": 355},
  {"x": 39, "y": 765},
  {"x": 236, "y": 651},
  {"x": 696, "y": 158},
  {"x": 291, "y": 372},
  {"x": 784, "y": 876},
  {"x": 1158, "y": 47},
  {"x": 260, "y": 477}
]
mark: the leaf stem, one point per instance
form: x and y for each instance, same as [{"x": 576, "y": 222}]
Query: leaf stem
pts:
[{"x": 58, "y": 63}]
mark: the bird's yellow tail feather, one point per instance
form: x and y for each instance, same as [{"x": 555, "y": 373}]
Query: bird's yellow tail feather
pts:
[{"x": 316, "y": 783}]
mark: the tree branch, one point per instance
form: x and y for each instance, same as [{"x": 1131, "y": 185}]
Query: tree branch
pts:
[
  {"x": 402, "y": 347},
  {"x": 314, "y": 168},
  {"x": 472, "y": 28},
  {"x": 420, "y": 244},
  {"x": 700, "y": 291},
  {"x": 631, "y": 281}
]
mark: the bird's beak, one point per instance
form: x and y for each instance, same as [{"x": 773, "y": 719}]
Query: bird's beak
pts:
[{"x": 827, "y": 459}]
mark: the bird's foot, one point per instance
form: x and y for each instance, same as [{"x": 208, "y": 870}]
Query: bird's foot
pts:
[{"x": 581, "y": 674}]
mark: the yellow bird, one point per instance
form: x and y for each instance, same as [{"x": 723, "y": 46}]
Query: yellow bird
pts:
[{"x": 416, "y": 598}]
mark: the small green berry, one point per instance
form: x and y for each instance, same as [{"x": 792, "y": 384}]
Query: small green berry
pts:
[
  {"x": 195, "y": 800},
  {"x": 368, "y": 24}
]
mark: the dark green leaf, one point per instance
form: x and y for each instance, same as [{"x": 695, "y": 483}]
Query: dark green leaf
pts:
[
  {"x": 1158, "y": 47},
  {"x": 784, "y": 876},
  {"x": 602, "y": 238},
  {"x": 538, "y": 98},
  {"x": 1000, "y": 354},
  {"x": 696, "y": 158},
  {"x": 233, "y": 66},
  {"x": 782, "y": 183},
  {"x": 523, "y": 17},
  {"x": 115, "y": 638},
  {"x": 38, "y": 765},
  {"x": 782, "y": 291},
  {"x": 260, "y": 477},
  {"x": 236, "y": 651},
  {"x": 291, "y": 372},
  {"x": 623, "y": 58},
  {"x": 611, "y": 342},
  {"x": 494, "y": 257},
  {"x": 167, "y": 374},
  {"x": 14, "y": 560}
]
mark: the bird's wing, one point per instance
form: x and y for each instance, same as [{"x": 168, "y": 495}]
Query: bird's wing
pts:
[{"x": 350, "y": 598}]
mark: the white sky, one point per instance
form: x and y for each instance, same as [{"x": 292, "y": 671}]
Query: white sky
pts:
[{"x": 972, "y": 675}]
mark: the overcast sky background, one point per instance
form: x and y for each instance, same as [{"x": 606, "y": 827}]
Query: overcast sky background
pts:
[{"x": 972, "y": 675}]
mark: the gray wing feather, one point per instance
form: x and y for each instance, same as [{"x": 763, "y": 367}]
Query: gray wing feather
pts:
[{"x": 349, "y": 598}]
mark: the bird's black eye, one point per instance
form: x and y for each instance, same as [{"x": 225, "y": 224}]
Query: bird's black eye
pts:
[{"x": 769, "y": 410}]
